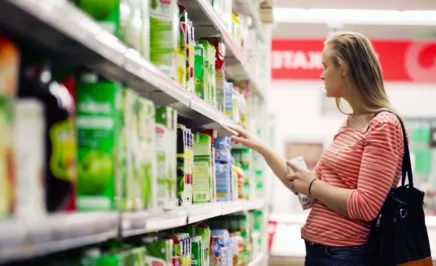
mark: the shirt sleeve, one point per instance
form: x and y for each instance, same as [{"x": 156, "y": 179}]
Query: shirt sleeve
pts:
[{"x": 382, "y": 156}]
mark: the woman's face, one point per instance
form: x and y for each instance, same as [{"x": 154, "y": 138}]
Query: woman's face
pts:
[{"x": 333, "y": 76}]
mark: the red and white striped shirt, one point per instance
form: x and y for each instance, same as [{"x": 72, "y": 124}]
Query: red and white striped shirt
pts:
[{"x": 366, "y": 161}]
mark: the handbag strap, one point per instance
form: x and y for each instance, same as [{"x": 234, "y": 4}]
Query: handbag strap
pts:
[{"x": 407, "y": 165}]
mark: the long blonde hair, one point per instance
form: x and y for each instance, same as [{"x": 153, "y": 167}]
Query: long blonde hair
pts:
[{"x": 354, "y": 52}]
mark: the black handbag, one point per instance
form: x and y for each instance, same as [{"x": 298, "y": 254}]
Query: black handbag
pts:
[{"x": 398, "y": 234}]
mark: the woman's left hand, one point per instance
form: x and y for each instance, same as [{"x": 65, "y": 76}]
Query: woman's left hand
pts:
[{"x": 300, "y": 179}]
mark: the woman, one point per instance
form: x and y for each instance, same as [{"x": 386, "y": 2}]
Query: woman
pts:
[{"x": 355, "y": 173}]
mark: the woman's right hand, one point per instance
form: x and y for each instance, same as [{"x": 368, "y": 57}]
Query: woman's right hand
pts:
[{"x": 246, "y": 139}]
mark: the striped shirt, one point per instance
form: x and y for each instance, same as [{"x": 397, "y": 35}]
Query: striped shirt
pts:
[{"x": 368, "y": 162}]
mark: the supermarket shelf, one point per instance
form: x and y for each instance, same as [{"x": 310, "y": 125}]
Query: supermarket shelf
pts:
[
  {"x": 207, "y": 23},
  {"x": 136, "y": 223},
  {"x": 233, "y": 207},
  {"x": 251, "y": 9},
  {"x": 260, "y": 260},
  {"x": 27, "y": 239},
  {"x": 201, "y": 212},
  {"x": 71, "y": 37},
  {"x": 254, "y": 205}
]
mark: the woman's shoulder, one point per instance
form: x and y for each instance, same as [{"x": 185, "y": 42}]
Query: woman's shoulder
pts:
[{"x": 385, "y": 118}]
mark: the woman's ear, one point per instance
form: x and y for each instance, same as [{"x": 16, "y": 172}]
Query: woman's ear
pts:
[{"x": 344, "y": 71}]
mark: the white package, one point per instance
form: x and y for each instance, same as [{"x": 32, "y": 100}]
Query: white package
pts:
[{"x": 305, "y": 200}]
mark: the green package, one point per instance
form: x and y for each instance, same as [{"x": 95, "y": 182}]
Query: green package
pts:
[
  {"x": 132, "y": 180},
  {"x": 98, "y": 128},
  {"x": 158, "y": 251},
  {"x": 184, "y": 165},
  {"x": 107, "y": 13},
  {"x": 202, "y": 175},
  {"x": 166, "y": 123},
  {"x": 204, "y": 232},
  {"x": 147, "y": 153},
  {"x": 163, "y": 35},
  {"x": 197, "y": 251},
  {"x": 199, "y": 68}
]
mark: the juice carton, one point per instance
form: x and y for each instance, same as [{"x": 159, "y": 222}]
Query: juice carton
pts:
[
  {"x": 197, "y": 251},
  {"x": 191, "y": 57},
  {"x": 98, "y": 127},
  {"x": 184, "y": 163},
  {"x": 199, "y": 70},
  {"x": 202, "y": 175},
  {"x": 107, "y": 13},
  {"x": 30, "y": 154},
  {"x": 9, "y": 66},
  {"x": 163, "y": 35},
  {"x": 166, "y": 118},
  {"x": 203, "y": 231},
  {"x": 305, "y": 200},
  {"x": 146, "y": 153},
  {"x": 223, "y": 181},
  {"x": 182, "y": 47},
  {"x": 228, "y": 99},
  {"x": 158, "y": 251}
]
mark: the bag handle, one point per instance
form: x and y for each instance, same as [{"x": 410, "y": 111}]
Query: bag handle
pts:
[{"x": 407, "y": 165}]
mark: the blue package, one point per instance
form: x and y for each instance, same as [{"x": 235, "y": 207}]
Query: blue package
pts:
[
  {"x": 223, "y": 149},
  {"x": 223, "y": 181}
]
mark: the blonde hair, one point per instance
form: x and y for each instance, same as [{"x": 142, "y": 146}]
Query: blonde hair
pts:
[{"x": 354, "y": 52}]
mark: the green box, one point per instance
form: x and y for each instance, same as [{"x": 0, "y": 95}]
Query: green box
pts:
[
  {"x": 199, "y": 69},
  {"x": 164, "y": 35},
  {"x": 166, "y": 124},
  {"x": 107, "y": 13},
  {"x": 98, "y": 129},
  {"x": 202, "y": 175},
  {"x": 158, "y": 251}
]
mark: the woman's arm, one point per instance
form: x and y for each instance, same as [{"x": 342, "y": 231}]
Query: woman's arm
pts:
[
  {"x": 276, "y": 162},
  {"x": 382, "y": 155}
]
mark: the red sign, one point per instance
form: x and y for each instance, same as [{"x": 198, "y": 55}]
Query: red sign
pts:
[{"x": 400, "y": 60}]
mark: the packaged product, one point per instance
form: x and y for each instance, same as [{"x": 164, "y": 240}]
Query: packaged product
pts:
[
  {"x": 223, "y": 149},
  {"x": 164, "y": 35},
  {"x": 158, "y": 251},
  {"x": 182, "y": 47},
  {"x": 305, "y": 200},
  {"x": 199, "y": 70},
  {"x": 37, "y": 83},
  {"x": 219, "y": 247},
  {"x": 98, "y": 130},
  {"x": 107, "y": 13},
  {"x": 29, "y": 161},
  {"x": 228, "y": 99},
  {"x": 166, "y": 123},
  {"x": 202, "y": 175},
  {"x": 184, "y": 165},
  {"x": 223, "y": 181},
  {"x": 9, "y": 67}
]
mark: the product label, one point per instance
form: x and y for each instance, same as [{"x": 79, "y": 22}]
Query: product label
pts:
[
  {"x": 63, "y": 156},
  {"x": 201, "y": 184}
]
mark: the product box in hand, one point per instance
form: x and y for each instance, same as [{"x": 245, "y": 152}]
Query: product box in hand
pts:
[{"x": 305, "y": 201}]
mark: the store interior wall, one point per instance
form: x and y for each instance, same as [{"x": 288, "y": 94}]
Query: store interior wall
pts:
[{"x": 298, "y": 105}]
